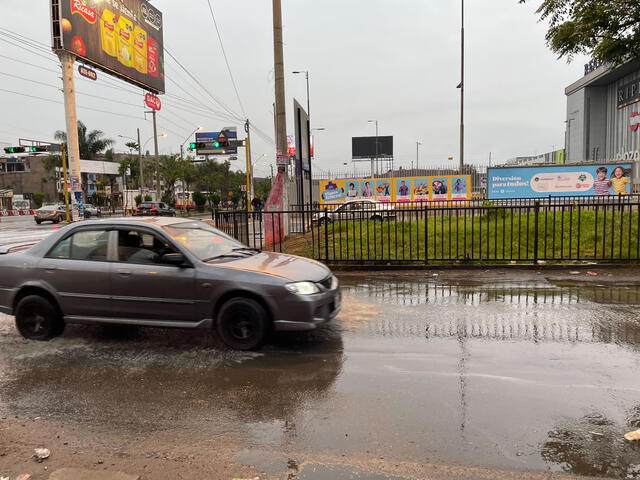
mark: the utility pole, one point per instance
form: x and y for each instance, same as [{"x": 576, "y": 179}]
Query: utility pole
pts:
[
  {"x": 71, "y": 120},
  {"x": 281, "y": 117},
  {"x": 155, "y": 146},
  {"x": 65, "y": 179},
  {"x": 247, "y": 149},
  {"x": 140, "y": 166},
  {"x": 461, "y": 86}
]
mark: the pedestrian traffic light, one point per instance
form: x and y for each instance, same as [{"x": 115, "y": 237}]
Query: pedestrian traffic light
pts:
[{"x": 14, "y": 149}]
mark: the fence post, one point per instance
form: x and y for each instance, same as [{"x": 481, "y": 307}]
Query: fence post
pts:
[
  {"x": 326, "y": 234},
  {"x": 426, "y": 236},
  {"x": 536, "y": 208}
]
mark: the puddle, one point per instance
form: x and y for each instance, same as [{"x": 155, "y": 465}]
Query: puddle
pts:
[{"x": 335, "y": 472}]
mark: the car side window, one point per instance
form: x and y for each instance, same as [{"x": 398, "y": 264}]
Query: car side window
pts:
[
  {"x": 90, "y": 245},
  {"x": 141, "y": 247}
]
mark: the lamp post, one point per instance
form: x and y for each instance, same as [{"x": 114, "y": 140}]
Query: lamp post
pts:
[
  {"x": 184, "y": 183},
  {"x": 374, "y": 161},
  {"x": 306, "y": 76},
  {"x": 199, "y": 128},
  {"x": 139, "y": 158},
  {"x": 417, "y": 154},
  {"x": 155, "y": 137}
]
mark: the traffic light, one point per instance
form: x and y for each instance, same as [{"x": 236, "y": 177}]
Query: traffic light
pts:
[
  {"x": 14, "y": 149},
  {"x": 40, "y": 149},
  {"x": 208, "y": 145}
]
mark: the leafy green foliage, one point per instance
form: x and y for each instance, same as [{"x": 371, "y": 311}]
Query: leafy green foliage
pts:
[
  {"x": 200, "y": 199},
  {"x": 36, "y": 199},
  {"x": 91, "y": 142},
  {"x": 138, "y": 199},
  {"x": 607, "y": 30}
]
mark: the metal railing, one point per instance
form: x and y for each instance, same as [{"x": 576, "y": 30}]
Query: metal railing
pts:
[{"x": 604, "y": 229}]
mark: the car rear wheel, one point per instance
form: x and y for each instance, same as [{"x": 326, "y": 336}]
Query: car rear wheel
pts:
[
  {"x": 38, "y": 222},
  {"x": 37, "y": 319},
  {"x": 242, "y": 324},
  {"x": 376, "y": 218}
]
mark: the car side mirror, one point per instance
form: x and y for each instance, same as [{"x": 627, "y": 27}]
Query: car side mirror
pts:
[{"x": 177, "y": 259}]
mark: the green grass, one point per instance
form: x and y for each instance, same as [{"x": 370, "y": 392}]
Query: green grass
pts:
[{"x": 497, "y": 236}]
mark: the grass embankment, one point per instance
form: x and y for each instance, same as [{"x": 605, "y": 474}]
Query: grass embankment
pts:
[{"x": 495, "y": 236}]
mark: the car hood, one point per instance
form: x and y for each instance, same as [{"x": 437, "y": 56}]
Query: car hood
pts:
[{"x": 290, "y": 267}]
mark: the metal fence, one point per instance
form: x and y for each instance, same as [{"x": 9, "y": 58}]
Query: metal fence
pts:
[{"x": 526, "y": 231}]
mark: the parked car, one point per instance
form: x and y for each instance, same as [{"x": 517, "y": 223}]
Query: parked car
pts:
[
  {"x": 91, "y": 211},
  {"x": 154, "y": 209},
  {"x": 51, "y": 213},
  {"x": 356, "y": 210},
  {"x": 162, "y": 272}
]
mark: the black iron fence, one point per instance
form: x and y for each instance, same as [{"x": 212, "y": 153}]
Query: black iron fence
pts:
[{"x": 604, "y": 229}]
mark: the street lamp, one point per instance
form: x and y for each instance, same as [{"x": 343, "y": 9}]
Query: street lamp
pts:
[
  {"x": 417, "y": 153},
  {"x": 199, "y": 128},
  {"x": 162, "y": 135},
  {"x": 306, "y": 76}
]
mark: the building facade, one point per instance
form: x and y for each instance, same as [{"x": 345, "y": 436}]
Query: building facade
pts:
[{"x": 603, "y": 115}]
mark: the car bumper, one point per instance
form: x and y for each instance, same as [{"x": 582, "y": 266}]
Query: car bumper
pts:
[{"x": 307, "y": 312}]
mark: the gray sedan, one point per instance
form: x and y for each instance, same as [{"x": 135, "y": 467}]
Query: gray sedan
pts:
[{"x": 162, "y": 272}]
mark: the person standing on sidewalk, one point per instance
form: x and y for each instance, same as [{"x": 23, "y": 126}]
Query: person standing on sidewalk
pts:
[{"x": 257, "y": 206}]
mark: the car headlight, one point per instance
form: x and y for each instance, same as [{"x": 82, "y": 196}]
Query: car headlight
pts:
[
  {"x": 302, "y": 288},
  {"x": 334, "y": 282}
]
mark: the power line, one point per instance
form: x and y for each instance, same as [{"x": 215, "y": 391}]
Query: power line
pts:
[{"x": 226, "y": 59}]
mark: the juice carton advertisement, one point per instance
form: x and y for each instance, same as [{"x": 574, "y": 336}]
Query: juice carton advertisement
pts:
[
  {"x": 140, "y": 49},
  {"x": 153, "y": 55},
  {"x": 108, "y": 40},
  {"x": 125, "y": 41}
]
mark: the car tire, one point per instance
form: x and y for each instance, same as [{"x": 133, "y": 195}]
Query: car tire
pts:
[
  {"x": 242, "y": 324},
  {"x": 38, "y": 319},
  {"x": 87, "y": 215},
  {"x": 376, "y": 218},
  {"x": 324, "y": 221},
  {"x": 38, "y": 222}
]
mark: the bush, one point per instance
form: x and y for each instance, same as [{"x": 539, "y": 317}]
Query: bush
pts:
[
  {"x": 200, "y": 199},
  {"x": 215, "y": 200},
  {"x": 169, "y": 200},
  {"x": 138, "y": 199},
  {"x": 37, "y": 198},
  {"x": 148, "y": 198}
]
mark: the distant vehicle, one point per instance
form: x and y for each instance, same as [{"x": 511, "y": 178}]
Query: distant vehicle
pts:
[
  {"x": 356, "y": 210},
  {"x": 91, "y": 211},
  {"x": 157, "y": 209},
  {"x": 162, "y": 272},
  {"x": 51, "y": 213}
]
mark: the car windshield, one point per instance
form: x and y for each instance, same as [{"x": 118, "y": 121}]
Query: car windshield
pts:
[{"x": 206, "y": 242}]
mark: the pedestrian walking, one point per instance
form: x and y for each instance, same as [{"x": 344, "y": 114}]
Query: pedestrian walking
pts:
[{"x": 257, "y": 206}]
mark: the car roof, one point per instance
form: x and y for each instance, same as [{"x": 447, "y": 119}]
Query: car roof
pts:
[{"x": 128, "y": 221}]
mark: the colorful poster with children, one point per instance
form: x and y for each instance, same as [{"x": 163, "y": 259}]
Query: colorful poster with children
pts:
[
  {"x": 439, "y": 188},
  {"x": 383, "y": 190},
  {"x": 351, "y": 191},
  {"x": 332, "y": 192},
  {"x": 420, "y": 189},
  {"x": 459, "y": 187},
  {"x": 403, "y": 190},
  {"x": 366, "y": 189}
]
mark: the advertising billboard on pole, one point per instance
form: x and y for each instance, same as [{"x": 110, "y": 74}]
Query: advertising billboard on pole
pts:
[
  {"x": 121, "y": 37},
  {"x": 579, "y": 180}
]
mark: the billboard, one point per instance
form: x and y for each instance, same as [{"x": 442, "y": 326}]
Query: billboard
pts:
[
  {"x": 578, "y": 180},
  {"x": 230, "y": 133},
  {"x": 365, "y": 147},
  {"x": 301, "y": 120},
  {"x": 122, "y": 37},
  {"x": 404, "y": 189}
]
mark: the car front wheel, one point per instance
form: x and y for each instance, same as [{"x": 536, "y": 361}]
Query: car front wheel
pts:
[
  {"x": 37, "y": 319},
  {"x": 242, "y": 324}
]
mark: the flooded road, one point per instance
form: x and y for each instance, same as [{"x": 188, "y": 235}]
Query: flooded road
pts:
[{"x": 477, "y": 375}]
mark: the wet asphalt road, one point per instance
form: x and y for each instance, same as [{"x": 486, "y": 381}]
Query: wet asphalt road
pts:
[{"x": 460, "y": 375}]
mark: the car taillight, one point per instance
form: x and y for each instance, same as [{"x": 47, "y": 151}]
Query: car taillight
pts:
[{"x": 54, "y": 211}]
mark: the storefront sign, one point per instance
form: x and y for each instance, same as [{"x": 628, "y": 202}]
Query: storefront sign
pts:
[
  {"x": 629, "y": 93},
  {"x": 152, "y": 101},
  {"x": 634, "y": 121},
  {"x": 87, "y": 72}
]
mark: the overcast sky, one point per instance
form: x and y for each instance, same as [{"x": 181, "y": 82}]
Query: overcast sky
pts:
[{"x": 397, "y": 62}]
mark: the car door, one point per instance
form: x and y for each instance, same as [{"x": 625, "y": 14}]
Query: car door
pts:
[
  {"x": 78, "y": 268},
  {"x": 144, "y": 288}
]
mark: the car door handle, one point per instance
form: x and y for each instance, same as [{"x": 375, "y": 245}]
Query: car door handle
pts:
[
  {"x": 124, "y": 272},
  {"x": 49, "y": 268}
]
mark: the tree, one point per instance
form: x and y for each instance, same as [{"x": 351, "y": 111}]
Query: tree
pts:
[
  {"x": 170, "y": 169},
  {"x": 200, "y": 199},
  {"x": 37, "y": 198},
  {"x": 607, "y": 30},
  {"x": 91, "y": 143}
]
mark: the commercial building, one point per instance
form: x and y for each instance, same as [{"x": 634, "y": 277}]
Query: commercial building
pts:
[{"x": 603, "y": 114}]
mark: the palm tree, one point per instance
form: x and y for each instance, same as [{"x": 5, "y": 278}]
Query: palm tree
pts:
[{"x": 91, "y": 143}]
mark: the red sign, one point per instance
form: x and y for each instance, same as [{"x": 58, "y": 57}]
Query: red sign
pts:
[
  {"x": 152, "y": 101},
  {"x": 81, "y": 7},
  {"x": 634, "y": 121}
]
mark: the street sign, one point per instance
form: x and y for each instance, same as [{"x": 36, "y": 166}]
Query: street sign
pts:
[
  {"x": 483, "y": 180},
  {"x": 282, "y": 160},
  {"x": 152, "y": 101},
  {"x": 86, "y": 72},
  {"x": 243, "y": 188}
]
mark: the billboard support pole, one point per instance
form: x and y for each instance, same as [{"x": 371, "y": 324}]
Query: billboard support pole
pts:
[
  {"x": 140, "y": 166},
  {"x": 249, "y": 182},
  {"x": 71, "y": 120}
]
